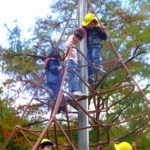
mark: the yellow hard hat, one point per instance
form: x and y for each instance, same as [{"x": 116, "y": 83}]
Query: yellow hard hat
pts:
[
  {"x": 46, "y": 142},
  {"x": 123, "y": 146},
  {"x": 88, "y": 18}
]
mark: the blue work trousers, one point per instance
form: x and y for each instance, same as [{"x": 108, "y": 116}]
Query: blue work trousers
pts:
[
  {"x": 73, "y": 78},
  {"x": 53, "y": 82},
  {"x": 93, "y": 56}
]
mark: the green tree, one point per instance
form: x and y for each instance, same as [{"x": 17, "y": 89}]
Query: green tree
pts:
[
  {"x": 128, "y": 28},
  {"x": 8, "y": 119}
]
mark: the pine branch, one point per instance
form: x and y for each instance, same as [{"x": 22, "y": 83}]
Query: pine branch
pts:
[
  {"x": 36, "y": 122},
  {"x": 118, "y": 114},
  {"x": 30, "y": 55}
]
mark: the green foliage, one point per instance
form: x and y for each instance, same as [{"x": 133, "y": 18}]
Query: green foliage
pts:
[
  {"x": 129, "y": 30},
  {"x": 8, "y": 119}
]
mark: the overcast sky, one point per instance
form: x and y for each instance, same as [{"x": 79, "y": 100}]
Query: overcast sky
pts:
[{"x": 25, "y": 11}]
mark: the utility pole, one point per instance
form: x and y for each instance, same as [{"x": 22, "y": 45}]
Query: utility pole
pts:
[{"x": 83, "y": 135}]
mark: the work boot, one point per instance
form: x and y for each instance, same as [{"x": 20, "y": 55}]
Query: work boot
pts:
[
  {"x": 79, "y": 94},
  {"x": 100, "y": 69},
  {"x": 70, "y": 101},
  {"x": 91, "y": 79},
  {"x": 62, "y": 109},
  {"x": 67, "y": 97}
]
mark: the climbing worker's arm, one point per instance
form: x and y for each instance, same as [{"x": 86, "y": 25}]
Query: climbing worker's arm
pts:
[
  {"x": 102, "y": 32},
  {"x": 68, "y": 45},
  {"x": 134, "y": 145},
  {"x": 52, "y": 66}
]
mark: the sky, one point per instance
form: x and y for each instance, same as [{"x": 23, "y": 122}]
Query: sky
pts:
[{"x": 25, "y": 11}]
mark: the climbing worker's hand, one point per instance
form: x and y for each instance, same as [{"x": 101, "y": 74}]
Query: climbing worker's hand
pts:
[
  {"x": 59, "y": 68},
  {"x": 133, "y": 145},
  {"x": 103, "y": 27},
  {"x": 66, "y": 78}
]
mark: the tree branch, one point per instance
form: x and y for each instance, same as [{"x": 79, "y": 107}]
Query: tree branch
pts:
[
  {"x": 31, "y": 55},
  {"x": 118, "y": 114}
]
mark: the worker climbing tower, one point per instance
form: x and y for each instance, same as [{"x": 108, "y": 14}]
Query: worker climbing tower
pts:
[{"x": 84, "y": 114}]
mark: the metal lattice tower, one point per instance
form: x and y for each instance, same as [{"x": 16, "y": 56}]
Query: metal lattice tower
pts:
[{"x": 67, "y": 126}]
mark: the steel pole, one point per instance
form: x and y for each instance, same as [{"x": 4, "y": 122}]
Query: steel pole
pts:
[{"x": 83, "y": 135}]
